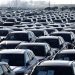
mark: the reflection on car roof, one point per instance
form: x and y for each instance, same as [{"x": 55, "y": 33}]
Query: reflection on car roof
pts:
[
  {"x": 56, "y": 63},
  {"x": 14, "y": 51}
]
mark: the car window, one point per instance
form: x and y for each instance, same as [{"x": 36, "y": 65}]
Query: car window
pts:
[
  {"x": 65, "y": 56},
  {"x": 72, "y": 35},
  {"x": 1, "y": 71},
  {"x": 29, "y": 55},
  {"x": 27, "y": 58}
]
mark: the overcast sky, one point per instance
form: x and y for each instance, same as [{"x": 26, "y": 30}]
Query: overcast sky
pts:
[{"x": 52, "y": 1}]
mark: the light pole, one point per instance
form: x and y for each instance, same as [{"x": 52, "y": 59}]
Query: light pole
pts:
[{"x": 49, "y": 3}]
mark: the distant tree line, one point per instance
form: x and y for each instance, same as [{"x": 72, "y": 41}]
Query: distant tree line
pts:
[{"x": 61, "y": 8}]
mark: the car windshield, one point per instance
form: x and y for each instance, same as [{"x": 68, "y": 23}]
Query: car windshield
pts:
[
  {"x": 17, "y": 36},
  {"x": 69, "y": 57},
  {"x": 37, "y": 49},
  {"x": 54, "y": 43},
  {"x": 53, "y": 70},
  {"x": 13, "y": 59}
]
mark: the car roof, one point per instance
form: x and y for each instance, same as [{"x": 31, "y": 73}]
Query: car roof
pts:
[
  {"x": 62, "y": 32},
  {"x": 10, "y": 42},
  {"x": 33, "y": 43},
  {"x": 53, "y": 37},
  {"x": 20, "y": 31},
  {"x": 68, "y": 51},
  {"x": 14, "y": 51},
  {"x": 56, "y": 63}
]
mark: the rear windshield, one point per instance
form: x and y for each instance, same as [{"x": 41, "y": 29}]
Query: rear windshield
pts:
[
  {"x": 69, "y": 57},
  {"x": 37, "y": 49},
  {"x": 66, "y": 37},
  {"x": 13, "y": 59},
  {"x": 38, "y": 33},
  {"x": 17, "y": 36},
  {"x": 54, "y": 43}
]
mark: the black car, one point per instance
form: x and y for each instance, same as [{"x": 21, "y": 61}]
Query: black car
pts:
[
  {"x": 21, "y": 36},
  {"x": 54, "y": 42},
  {"x": 65, "y": 55},
  {"x": 55, "y": 68},
  {"x": 69, "y": 37},
  {"x": 41, "y": 50}
]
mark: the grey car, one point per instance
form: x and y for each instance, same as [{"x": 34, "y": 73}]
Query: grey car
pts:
[
  {"x": 55, "y": 68},
  {"x": 21, "y": 61}
]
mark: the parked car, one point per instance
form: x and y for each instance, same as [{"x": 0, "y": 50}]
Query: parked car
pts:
[
  {"x": 9, "y": 22},
  {"x": 55, "y": 68},
  {"x": 55, "y": 42},
  {"x": 21, "y": 36},
  {"x": 41, "y": 50},
  {"x": 67, "y": 36},
  {"x": 21, "y": 61},
  {"x": 68, "y": 54}
]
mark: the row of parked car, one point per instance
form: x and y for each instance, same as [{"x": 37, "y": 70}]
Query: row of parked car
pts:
[{"x": 36, "y": 42}]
